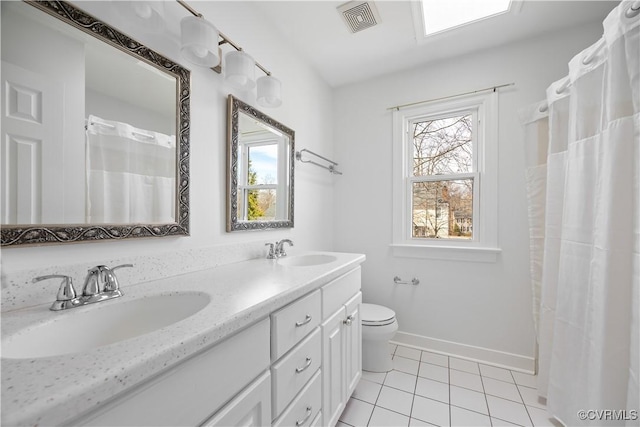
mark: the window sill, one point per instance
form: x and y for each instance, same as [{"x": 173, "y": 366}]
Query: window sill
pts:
[{"x": 448, "y": 253}]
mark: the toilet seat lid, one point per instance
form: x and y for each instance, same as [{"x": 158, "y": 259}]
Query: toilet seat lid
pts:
[{"x": 373, "y": 314}]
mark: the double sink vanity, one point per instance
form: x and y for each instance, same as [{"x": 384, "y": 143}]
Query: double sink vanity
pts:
[{"x": 258, "y": 342}]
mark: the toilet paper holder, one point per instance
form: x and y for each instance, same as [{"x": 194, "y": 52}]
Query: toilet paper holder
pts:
[{"x": 398, "y": 281}]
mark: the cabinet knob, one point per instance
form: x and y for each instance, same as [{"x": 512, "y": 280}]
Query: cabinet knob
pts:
[
  {"x": 306, "y": 320},
  {"x": 348, "y": 321},
  {"x": 306, "y": 417},
  {"x": 304, "y": 368}
]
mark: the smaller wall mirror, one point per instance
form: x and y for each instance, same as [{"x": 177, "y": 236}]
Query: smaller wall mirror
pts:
[{"x": 260, "y": 165}]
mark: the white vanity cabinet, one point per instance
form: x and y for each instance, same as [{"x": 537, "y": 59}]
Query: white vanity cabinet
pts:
[
  {"x": 341, "y": 343},
  {"x": 335, "y": 344},
  {"x": 298, "y": 367}
]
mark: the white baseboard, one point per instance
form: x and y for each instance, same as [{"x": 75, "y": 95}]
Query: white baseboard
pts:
[{"x": 486, "y": 356}]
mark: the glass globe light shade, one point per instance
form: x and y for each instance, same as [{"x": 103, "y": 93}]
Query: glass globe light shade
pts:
[
  {"x": 269, "y": 92},
  {"x": 240, "y": 69},
  {"x": 147, "y": 16},
  {"x": 199, "y": 41}
]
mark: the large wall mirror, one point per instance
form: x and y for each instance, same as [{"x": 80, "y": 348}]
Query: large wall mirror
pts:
[
  {"x": 95, "y": 131},
  {"x": 260, "y": 165}
]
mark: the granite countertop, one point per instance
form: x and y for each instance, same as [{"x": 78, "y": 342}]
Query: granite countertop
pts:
[{"x": 50, "y": 390}]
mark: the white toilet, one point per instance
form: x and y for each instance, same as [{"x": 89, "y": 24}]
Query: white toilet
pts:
[{"x": 379, "y": 325}]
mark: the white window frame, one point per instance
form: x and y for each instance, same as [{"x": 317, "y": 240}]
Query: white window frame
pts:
[
  {"x": 243, "y": 186},
  {"x": 483, "y": 247}
]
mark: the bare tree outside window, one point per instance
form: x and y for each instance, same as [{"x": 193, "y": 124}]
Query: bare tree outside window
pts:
[
  {"x": 258, "y": 197},
  {"x": 442, "y": 190}
]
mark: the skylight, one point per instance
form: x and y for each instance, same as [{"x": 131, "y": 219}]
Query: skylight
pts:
[{"x": 441, "y": 15}]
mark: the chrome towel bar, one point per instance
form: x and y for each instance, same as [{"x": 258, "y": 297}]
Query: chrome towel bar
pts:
[
  {"x": 398, "y": 281},
  {"x": 331, "y": 167}
]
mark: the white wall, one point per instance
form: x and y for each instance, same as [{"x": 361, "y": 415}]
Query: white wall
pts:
[
  {"x": 306, "y": 109},
  {"x": 484, "y": 305}
]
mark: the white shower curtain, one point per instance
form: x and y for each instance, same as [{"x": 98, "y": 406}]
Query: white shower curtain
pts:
[
  {"x": 130, "y": 174},
  {"x": 583, "y": 183}
]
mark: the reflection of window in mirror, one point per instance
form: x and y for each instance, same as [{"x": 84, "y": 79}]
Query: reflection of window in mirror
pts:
[{"x": 258, "y": 173}]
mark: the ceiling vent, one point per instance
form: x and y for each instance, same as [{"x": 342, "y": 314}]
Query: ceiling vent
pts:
[{"x": 359, "y": 15}]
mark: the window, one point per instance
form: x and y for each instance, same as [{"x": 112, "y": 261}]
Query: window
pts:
[
  {"x": 445, "y": 179},
  {"x": 259, "y": 177},
  {"x": 258, "y": 187},
  {"x": 437, "y": 16},
  {"x": 444, "y": 171}
]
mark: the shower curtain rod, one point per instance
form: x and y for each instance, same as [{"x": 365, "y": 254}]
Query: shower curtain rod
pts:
[
  {"x": 493, "y": 88},
  {"x": 110, "y": 126}
]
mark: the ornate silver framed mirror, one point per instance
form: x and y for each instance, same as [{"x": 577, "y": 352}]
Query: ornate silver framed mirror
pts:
[
  {"x": 95, "y": 131},
  {"x": 260, "y": 166}
]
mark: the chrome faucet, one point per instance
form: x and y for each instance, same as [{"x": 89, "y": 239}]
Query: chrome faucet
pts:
[
  {"x": 279, "y": 250},
  {"x": 100, "y": 284}
]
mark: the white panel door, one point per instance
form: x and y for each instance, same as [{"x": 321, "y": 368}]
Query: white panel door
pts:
[
  {"x": 353, "y": 344},
  {"x": 333, "y": 382},
  {"x": 32, "y": 151}
]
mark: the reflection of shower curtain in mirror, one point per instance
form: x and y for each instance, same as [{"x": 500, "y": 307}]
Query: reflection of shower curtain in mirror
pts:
[{"x": 130, "y": 174}]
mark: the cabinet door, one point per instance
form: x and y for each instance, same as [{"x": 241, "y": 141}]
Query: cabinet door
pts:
[
  {"x": 333, "y": 352},
  {"x": 252, "y": 407},
  {"x": 353, "y": 344}
]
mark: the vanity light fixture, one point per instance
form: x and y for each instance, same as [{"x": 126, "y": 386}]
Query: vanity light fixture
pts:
[
  {"x": 269, "y": 91},
  {"x": 201, "y": 43},
  {"x": 145, "y": 15},
  {"x": 198, "y": 39},
  {"x": 239, "y": 69}
]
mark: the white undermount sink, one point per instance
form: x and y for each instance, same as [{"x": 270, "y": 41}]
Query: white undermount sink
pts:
[
  {"x": 306, "y": 260},
  {"x": 101, "y": 325}
]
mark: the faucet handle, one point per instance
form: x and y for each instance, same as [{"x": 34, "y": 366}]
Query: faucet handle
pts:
[
  {"x": 110, "y": 280},
  {"x": 66, "y": 296},
  {"x": 271, "y": 254},
  {"x": 91, "y": 285}
]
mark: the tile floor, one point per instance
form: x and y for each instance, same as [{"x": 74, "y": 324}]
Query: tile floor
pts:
[{"x": 426, "y": 389}]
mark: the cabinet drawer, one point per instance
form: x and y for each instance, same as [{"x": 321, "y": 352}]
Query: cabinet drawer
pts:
[
  {"x": 293, "y": 371},
  {"x": 335, "y": 293},
  {"x": 189, "y": 393},
  {"x": 252, "y": 407},
  {"x": 293, "y": 322},
  {"x": 306, "y": 406}
]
